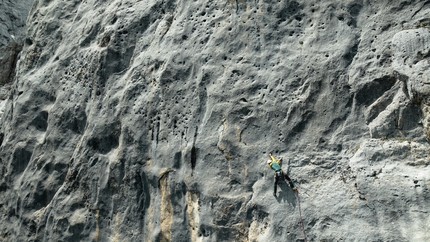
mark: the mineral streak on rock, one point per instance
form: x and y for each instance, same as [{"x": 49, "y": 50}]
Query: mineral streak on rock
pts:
[{"x": 129, "y": 120}]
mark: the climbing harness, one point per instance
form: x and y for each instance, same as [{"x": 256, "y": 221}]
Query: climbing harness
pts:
[{"x": 300, "y": 213}]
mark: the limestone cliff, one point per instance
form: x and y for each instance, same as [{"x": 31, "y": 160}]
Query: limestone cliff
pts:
[
  {"x": 12, "y": 29},
  {"x": 152, "y": 120}
]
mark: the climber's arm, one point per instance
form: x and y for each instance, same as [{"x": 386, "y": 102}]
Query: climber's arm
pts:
[{"x": 273, "y": 158}]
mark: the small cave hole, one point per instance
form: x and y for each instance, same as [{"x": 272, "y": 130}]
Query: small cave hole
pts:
[{"x": 28, "y": 41}]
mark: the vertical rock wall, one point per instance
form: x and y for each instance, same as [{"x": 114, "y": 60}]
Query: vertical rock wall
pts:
[
  {"x": 152, "y": 120},
  {"x": 13, "y": 15}
]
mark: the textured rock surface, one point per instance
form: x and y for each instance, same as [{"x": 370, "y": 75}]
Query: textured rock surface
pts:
[
  {"x": 152, "y": 120},
  {"x": 13, "y": 15}
]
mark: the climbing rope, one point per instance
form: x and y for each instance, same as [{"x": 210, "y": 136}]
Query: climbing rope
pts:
[{"x": 300, "y": 213}]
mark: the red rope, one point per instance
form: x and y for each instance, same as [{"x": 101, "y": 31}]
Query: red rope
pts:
[{"x": 300, "y": 213}]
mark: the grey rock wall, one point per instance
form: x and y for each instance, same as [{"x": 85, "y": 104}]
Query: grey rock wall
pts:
[
  {"x": 152, "y": 120},
  {"x": 13, "y": 15}
]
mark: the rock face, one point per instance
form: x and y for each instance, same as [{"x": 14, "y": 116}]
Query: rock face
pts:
[
  {"x": 12, "y": 28},
  {"x": 152, "y": 121},
  {"x": 13, "y": 15}
]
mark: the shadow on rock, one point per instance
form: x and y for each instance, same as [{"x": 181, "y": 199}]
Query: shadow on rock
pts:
[{"x": 285, "y": 194}]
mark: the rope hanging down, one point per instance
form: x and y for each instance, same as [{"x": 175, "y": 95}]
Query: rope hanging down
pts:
[{"x": 300, "y": 213}]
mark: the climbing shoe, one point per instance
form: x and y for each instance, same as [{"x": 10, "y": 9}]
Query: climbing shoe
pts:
[{"x": 293, "y": 186}]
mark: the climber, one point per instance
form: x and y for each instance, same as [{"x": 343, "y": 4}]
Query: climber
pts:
[{"x": 276, "y": 166}]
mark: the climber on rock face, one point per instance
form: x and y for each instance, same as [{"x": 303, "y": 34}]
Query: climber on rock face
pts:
[{"x": 276, "y": 166}]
